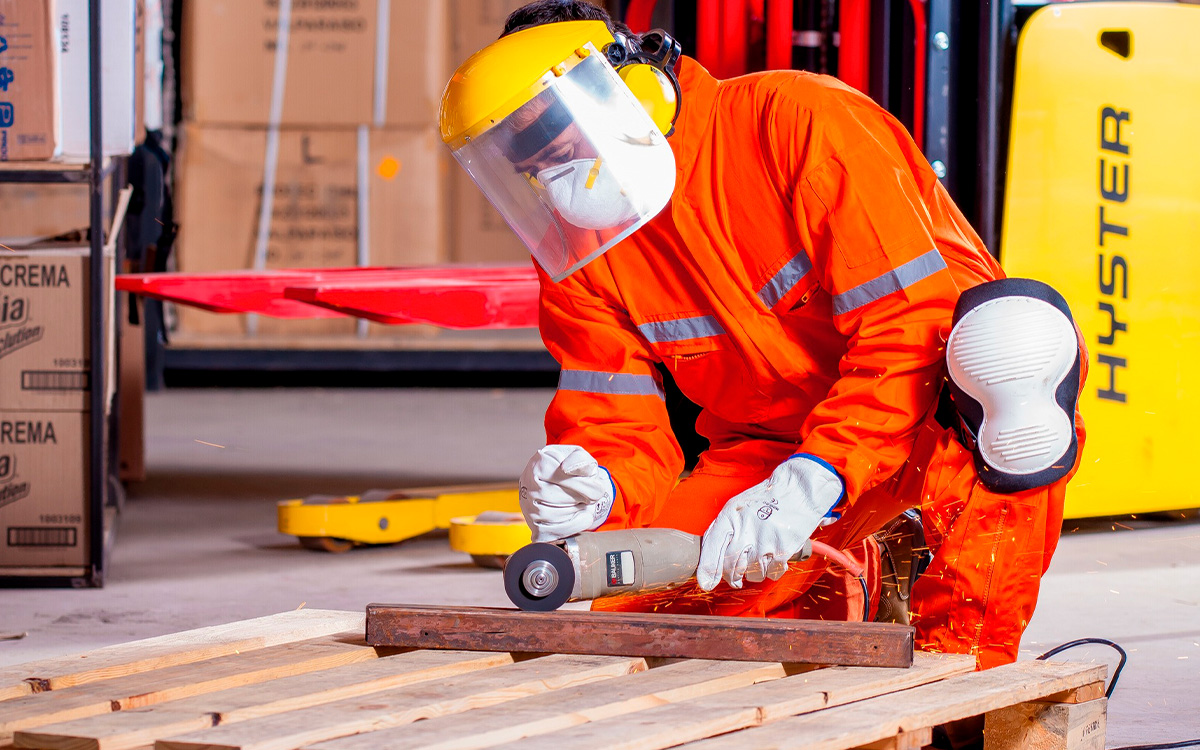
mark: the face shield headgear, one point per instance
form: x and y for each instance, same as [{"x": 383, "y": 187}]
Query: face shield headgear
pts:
[{"x": 573, "y": 162}]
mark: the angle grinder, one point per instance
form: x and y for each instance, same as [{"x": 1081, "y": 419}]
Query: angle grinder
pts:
[{"x": 544, "y": 576}]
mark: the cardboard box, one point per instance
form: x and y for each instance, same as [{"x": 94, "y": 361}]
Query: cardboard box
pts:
[
  {"x": 44, "y": 352},
  {"x": 316, "y": 208},
  {"x": 44, "y": 513},
  {"x": 478, "y": 234},
  {"x": 152, "y": 67},
  {"x": 32, "y": 211},
  {"x": 118, "y": 21},
  {"x": 29, "y": 127},
  {"x": 340, "y": 70}
]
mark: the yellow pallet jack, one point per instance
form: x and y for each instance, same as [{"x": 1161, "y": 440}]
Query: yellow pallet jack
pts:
[
  {"x": 489, "y": 538},
  {"x": 331, "y": 523}
]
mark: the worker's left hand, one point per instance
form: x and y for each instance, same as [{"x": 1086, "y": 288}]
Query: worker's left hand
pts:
[{"x": 759, "y": 530}]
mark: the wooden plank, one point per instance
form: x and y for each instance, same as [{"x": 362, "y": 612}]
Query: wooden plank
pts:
[
  {"x": 641, "y": 634},
  {"x": 171, "y": 650},
  {"x": 667, "y": 726},
  {"x": 539, "y": 714},
  {"x": 1047, "y": 726},
  {"x": 396, "y": 707},
  {"x": 903, "y": 741},
  {"x": 173, "y": 683},
  {"x": 1085, "y": 694},
  {"x": 126, "y": 729},
  {"x": 888, "y": 715}
]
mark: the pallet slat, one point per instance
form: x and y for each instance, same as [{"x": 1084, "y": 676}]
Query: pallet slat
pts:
[
  {"x": 671, "y": 725},
  {"x": 641, "y": 634},
  {"x": 124, "y": 730},
  {"x": 396, "y": 707},
  {"x": 171, "y": 650},
  {"x": 920, "y": 707},
  {"x": 538, "y": 714},
  {"x": 173, "y": 683}
]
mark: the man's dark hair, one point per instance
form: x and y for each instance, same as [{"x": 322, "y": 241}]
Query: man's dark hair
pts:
[{"x": 542, "y": 12}]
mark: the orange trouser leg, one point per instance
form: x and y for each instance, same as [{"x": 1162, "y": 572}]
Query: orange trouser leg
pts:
[
  {"x": 810, "y": 590},
  {"x": 990, "y": 552}
]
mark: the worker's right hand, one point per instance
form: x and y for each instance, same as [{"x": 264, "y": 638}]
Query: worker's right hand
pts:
[{"x": 565, "y": 492}]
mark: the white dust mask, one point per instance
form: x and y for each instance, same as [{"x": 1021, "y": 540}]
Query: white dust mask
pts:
[{"x": 585, "y": 193}]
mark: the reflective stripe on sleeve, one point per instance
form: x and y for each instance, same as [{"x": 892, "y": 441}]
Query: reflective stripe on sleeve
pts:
[
  {"x": 898, "y": 278},
  {"x": 681, "y": 329},
  {"x": 610, "y": 383},
  {"x": 785, "y": 280}
]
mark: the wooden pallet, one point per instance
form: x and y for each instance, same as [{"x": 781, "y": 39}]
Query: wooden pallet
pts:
[{"x": 307, "y": 679}]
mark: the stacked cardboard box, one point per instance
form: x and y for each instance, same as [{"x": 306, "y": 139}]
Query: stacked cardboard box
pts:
[
  {"x": 44, "y": 402},
  {"x": 479, "y": 234},
  {"x": 312, "y": 148},
  {"x": 29, "y": 114},
  {"x": 45, "y": 78},
  {"x": 351, "y": 146}
]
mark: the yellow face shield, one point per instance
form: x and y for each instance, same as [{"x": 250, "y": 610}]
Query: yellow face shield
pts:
[{"x": 572, "y": 162}]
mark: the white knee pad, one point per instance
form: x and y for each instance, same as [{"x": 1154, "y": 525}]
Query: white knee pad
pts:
[{"x": 1013, "y": 358}]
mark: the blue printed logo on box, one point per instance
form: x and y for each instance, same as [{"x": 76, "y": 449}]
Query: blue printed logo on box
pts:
[
  {"x": 6, "y": 115},
  {"x": 6, "y": 77},
  {"x": 3, "y": 44}
]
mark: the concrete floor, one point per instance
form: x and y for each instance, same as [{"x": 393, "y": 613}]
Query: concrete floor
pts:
[{"x": 197, "y": 545}]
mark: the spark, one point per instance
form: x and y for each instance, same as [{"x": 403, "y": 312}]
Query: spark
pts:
[
  {"x": 206, "y": 443},
  {"x": 301, "y": 605},
  {"x": 1114, "y": 591},
  {"x": 6, "y": 247}
]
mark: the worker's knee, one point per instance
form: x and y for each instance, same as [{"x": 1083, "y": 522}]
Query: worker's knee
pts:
[{"x": 1014, "y": 363}]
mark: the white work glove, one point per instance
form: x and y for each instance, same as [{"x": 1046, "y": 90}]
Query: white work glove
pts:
[
  {"x": 565, "y": 492},
  {"x": 759, "y": 530}
]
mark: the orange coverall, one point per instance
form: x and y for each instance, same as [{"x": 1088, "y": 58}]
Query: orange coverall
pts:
[{"x": 799, "y": 287}]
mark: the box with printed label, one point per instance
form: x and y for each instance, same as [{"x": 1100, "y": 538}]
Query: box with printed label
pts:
[
  {"x": 29, "y": 127},
  {"x": 44, "y": 511},
  {"x": 118, "y": 27},
  {"x": 44, "y": 357},
  {"x": 345, "y": 62},
  {"x": 326, "y": 183}
]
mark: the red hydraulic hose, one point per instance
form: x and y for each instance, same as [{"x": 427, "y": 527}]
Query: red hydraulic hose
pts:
[
  {"x": 922, "y": 43},
  {"x": 854, "y": 50},
  {"x": 734, "y": 56},
  {"x": 708, "y": 34},
  {"x": 640, "y": 15},
  {"x": 779, "y": 34}
]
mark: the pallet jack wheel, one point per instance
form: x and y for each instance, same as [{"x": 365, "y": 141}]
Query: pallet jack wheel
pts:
[{"x": 326, "y": 544}]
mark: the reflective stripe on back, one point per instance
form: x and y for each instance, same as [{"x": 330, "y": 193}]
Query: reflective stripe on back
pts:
[
  {"x": 898, "y": 278},
  {"x": 785, "y": 280},
  {"x": 609, "y": 383},
  {"x": 681, "y": 329}
]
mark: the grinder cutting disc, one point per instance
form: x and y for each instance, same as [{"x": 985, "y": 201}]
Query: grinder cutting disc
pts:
[{"x": 539, "y": 577}]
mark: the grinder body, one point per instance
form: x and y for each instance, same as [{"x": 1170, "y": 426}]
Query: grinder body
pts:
[{"x": 596, "y": 564}]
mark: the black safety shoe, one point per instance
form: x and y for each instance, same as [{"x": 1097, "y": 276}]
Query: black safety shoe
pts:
[{"x": 903, "y": 557}]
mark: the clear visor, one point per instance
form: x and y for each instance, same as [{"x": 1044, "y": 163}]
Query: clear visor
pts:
[{"x": 576, "y": 169}]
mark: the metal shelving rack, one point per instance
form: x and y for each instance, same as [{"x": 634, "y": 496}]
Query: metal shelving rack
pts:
[{"x": 93, "y": 175}]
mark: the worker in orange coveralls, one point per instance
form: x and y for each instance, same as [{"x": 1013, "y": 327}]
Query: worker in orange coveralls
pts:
[{"x": 780, "y": 245}]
